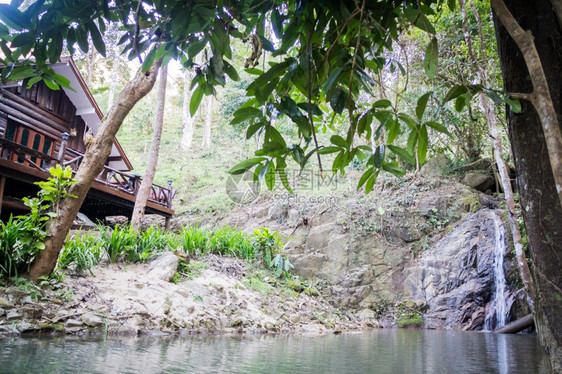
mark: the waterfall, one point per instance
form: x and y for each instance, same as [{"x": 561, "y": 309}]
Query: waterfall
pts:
[{"x": 498, "y": 310}]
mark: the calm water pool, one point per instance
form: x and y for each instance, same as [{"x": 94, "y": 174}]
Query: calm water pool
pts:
[{"x": 379, "y": 351}]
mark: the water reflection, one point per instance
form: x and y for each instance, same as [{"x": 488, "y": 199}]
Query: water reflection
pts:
[{"x": 380, "y": 351}]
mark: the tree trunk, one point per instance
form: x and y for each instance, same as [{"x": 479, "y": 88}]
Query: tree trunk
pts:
[
  {"x": 187, "y": 119},
  {"x": 540, "y": 96},
  {"x": 539, "y": 198},
  {"x": 91, "y": 166},
  {"x": 113, "y": 82},
  {"x": 206, "y": 144},
  {"x": 490, "y": 112},
  {"x": 146, "y": 184}
]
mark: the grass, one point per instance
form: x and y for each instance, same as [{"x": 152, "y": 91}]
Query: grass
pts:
[{"x": 124, "y": 243}]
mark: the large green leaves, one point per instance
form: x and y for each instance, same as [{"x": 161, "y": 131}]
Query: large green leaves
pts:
[{"x": 431, "y": 59}]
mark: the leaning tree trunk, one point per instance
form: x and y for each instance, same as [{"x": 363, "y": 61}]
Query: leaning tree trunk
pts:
[
  {"x": 91, "y": 166},
  {"x": 540, "y": 204},
  {"x": 146, "y": 184},
  {"x": 489, "y": 109}
]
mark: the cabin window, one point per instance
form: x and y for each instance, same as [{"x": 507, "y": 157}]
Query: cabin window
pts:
[
  {"x": 10, "y": 131},
  {"x": 30, "y": 139}
]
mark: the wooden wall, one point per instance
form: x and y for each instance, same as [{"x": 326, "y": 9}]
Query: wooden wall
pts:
[{"x": 43, "y": 110}]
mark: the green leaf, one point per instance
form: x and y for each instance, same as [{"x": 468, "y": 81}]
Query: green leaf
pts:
[
  {"x": 253, "y": 128},
  {"x": 422, "y": 145},
  {"x": 454, "y": 92},
  {"x": 418, "y": 19},
  {"x": 422, "y": 104},
  {"x": 277, "y": 23},
  {"x": 514, "y": 105},
  {"x": 195, "y": 100},
  {"x": 82, "y": 39},
  {"x": 149, "y": 60},
  {"x": 284, "y": 179},
  {"x": 97, "y": 38},
  {"x": 412, "y": 141},
  {"x": 451, "y": 4},
  {"x": 366, "y": 175},
  {"x": 371, "y": 183},
  {"x": 412, "y": 124},
  {"x": 337, "y": 102},
  {"x": 22, "y": 40},
  {"x": 403, "y": 154},
  {"x": 339, "y": 141},
  {"x": 243, "y": 114},
  {"x": 328, "y": 150},
  {"x": 231, "y": 71},
  {"x": 245, "y": 165},
  {"x": 270, "y": 175},
  {"x": 393, "y": 129},
  {"x": 438, "y": 127},
  {"x": 332, "y": 79},
  {"x": 32, "y": 81},
  {"x": 383, "y": 103},
  {"x": 431, "y": 59},
  {"x": 379, "y": 156},
  {"x": 462, "y": 101},
  {"x": 14, "y": 18},
  {"x": 394, "y": 169}
]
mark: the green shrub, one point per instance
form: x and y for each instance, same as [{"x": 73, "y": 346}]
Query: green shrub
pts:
[
  {"x": 22, "y": 237},
  {"x": 228, "y": 241},
  {"x": 82, "y": 250},
  {"x": 123, "y": 241},
  {"x": 193, "y": 240},
  {"x": 269, "y": 245}
]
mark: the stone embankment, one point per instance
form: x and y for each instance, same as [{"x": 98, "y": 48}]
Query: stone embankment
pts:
[{"x": 224, "y": 297}]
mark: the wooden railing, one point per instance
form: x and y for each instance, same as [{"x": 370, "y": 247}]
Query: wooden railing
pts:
[
  {"x": 41, "y": 162},
  {"x": 126, "y": 182}
]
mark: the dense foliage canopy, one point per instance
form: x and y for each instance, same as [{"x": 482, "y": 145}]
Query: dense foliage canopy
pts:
[{"x": 313, "y": 61}]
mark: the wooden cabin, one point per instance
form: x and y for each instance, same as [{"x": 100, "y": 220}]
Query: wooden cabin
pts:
[{"x": 40, "y": 127}]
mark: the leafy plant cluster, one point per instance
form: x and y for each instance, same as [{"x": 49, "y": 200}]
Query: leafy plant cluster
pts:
[
  {"x": 22, "y": 237},
  {"x": 125, "y": 243}
]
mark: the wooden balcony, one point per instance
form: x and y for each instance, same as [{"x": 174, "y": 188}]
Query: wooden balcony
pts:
[{"x": 113, "y": 193}]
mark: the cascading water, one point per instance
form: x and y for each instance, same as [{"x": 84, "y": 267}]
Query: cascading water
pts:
[{"x": 498, "y": 310}]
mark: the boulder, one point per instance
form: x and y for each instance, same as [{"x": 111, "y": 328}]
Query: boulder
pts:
[
  {"x": 480, "y": 164},
  {"x": 479, "y": 181},
  {"x": 164, "y": 267},
  {"x": 436, "y": 166},
  {"x": 433, "y": 206},
  {"x": 13, "y": 315},
  {"x": 5, "y": 303},
  {"x": 91, "y": 319}
]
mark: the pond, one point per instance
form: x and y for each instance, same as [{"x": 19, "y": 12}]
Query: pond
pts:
[{"x": 390, "y": 351}]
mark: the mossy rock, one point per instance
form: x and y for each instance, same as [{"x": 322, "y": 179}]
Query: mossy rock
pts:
[
  {"x": 311, "y": 291},
  {"x": 413, "y": 320},
  {"x": 295, "y": 285},
  {"x": 44, "y": 326},
  {"x": 471, "y": 203},
  {"x": 236, "y": 322}
]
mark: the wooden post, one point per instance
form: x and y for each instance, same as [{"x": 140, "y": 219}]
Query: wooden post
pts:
[
  {"x": 2, "y": 183},
  {"x": 62, "y": 149},
  {"x": 170, "y": 193}
]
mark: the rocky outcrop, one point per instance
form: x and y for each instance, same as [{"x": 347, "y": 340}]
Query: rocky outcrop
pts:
[
  {"x": 137, "y": 300},
  {"x": 456, "y": 276}
]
